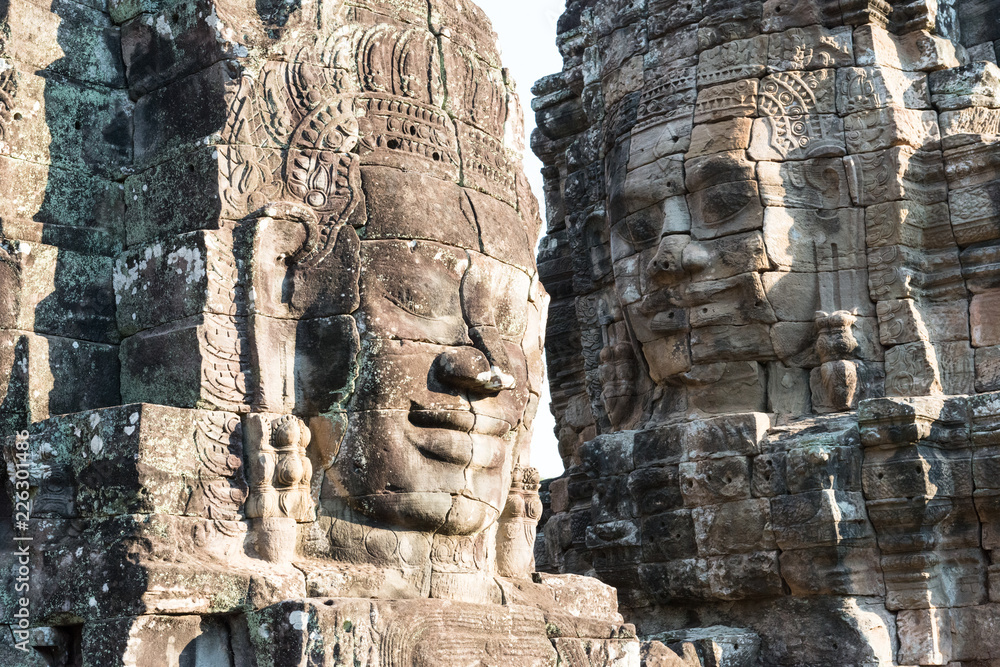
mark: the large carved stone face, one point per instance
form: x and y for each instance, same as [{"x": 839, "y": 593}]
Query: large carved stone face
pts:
[
  {"x": 443, "y": 386},
  {"x": 393, "y": 268}
]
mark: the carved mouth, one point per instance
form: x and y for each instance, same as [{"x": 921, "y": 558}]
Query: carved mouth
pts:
[
  {"x": 453, "y": 420},
  {"x": 458, "y": 420}
]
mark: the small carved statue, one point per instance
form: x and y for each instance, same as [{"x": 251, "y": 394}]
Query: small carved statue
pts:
[{"x": 516, "y": 540}]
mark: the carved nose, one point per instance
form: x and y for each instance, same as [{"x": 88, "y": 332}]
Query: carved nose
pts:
[{"x": 468, "y": 369}]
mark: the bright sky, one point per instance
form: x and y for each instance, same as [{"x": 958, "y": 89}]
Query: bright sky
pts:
[{"x": 527, "y": 30}]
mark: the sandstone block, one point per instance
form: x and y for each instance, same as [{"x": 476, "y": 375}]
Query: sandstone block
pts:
[
  {"x": 203, "y": 360},
  {"x": 821, "y": 518},
  {"x": 885, "y": 127},
  {"x": 917, "y": 472},
  {"x": 896, "y": 174},
  {"x": 779, "y": 16},
  {"x": 739, "y": 59},
  {"x": 900, "y": 322},
  {"x": 724, "y": 209},
  {"x": 742, "y": 526},
  {"x": 770, "y": 477},
  {"x": 67, "y": 124},
  {"x": 864, "y": 88},
  {"x": 58, "y": 292},
  {"x": 974, "y": 85},
  {"x": 719, "y": 137},
  {"x": 731, "y": 343},
  {"x": 743, "y": 576},
  {"x": 814, "y": 240},
  {"x": 798, "y": 93},
  {"x": 836, "y": 570},
  {"x": 68, "y": 39},
  {"x": 787, "y": 388},
  {"x": 653, "y": 183},
  {"x": 912, "y": 370},
  {"x": 909, "y": 224},
  {"x": 711, "y": 170},
  {"x": 899, "y": 272},
  {"x": 655, "y": 489},
  {"x": 714, "y": 481},
  {"x": 818, "y": 466},
  {"x": 728, "y": 100},
  {"x": 969, "y": 126},
  {"x": 988, "y": 369},
  {"x": 985, "y": 319},
  {"x": 957, "y": 363},
  {"x": 820, "y": 183},
  {"x": 810, "y": 47},
  {"x": 175, "y": 119},
  {"x": 40, "y": 375},
  {"x": 914, "y": 51},
  {"x": 148, "y": 459},
  {"x": 656, "y": 141},
  {"x": 730, "y": 387},
  {"x": 796, "y": 296},
  {"x": 974, "y": 213},
  {"x": 797, "y": 138},
  {"x": 659, "y": 446},
  {"x": 668, "y": 536},
  {"x": 925, "y": 636}
]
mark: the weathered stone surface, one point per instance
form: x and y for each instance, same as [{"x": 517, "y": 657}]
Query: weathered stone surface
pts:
[
  {"x": 819, "y": 184},
  {"x": 864, "y": 88},
  {"x": 811, "y": 47},
  {"x": 727, "y": 100},
  {"x": 913, "y": 51},
  {"x": 271, "y": 325},
  {"x": 834, "y": 241}
]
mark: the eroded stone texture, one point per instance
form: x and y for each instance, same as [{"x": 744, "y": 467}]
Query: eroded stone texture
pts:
[
  {"x": 271, "y": 322},
  {"x": 780, "y": 219}
]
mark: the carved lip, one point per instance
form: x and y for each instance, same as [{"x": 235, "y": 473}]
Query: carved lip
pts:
[
  {"x": 454, "y": 420},
  {"x": 458, "y": 420}
]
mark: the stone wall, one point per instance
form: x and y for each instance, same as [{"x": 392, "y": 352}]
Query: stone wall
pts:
[
  {"x": 271, "y": 343},
  {"x": 771, "y": 253}
]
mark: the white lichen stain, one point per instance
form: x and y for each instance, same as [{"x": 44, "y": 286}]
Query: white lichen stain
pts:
[
  {"x": 194, "y": 263},
  {"x": 298, "y": 619},
  {"x": 163, "y": 28}
]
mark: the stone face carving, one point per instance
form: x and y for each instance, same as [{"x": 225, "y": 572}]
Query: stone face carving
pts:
[
  {"x": 271, "y": 318},
  {"x": 806, "y": 259}
]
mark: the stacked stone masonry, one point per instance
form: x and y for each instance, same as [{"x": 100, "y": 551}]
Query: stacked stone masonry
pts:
[
  {"x": 774, "y": 336},
  {"x": 271, "y": 345}
]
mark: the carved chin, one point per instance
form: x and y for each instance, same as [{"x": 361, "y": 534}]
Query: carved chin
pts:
[{"x": 438, "y": 512}]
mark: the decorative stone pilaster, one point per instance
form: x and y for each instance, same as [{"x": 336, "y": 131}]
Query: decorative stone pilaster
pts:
[{"x": 280, "y": 475}]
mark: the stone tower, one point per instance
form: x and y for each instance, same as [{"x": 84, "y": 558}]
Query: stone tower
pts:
[
  {"x": 774, "y": 335},
  {"x": 270, "y": 343}
]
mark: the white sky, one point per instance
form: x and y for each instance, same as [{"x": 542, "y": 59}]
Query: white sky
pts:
[{"x": 527, "y": 30}]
